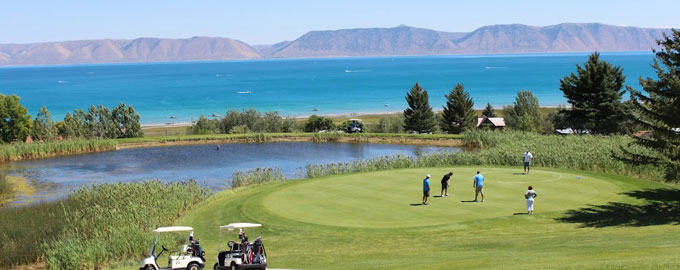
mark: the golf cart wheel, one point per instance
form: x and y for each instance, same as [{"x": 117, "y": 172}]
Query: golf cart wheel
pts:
[
  {"x": 217, "y": 266},
  {"x": 233, "y": 266},
  {"x": 149, "y": 267},
  {"x": 193, "y": 266}
]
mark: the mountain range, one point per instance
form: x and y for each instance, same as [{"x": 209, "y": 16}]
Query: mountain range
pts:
[{"x": 400, "y": 40}]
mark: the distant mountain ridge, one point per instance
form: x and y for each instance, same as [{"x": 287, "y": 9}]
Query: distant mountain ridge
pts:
[
  {"x": 400, "y": 40},
  {"x": 137, "y": 50}
]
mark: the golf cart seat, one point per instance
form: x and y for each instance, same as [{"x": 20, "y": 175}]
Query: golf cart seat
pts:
[{"x": 235, "y": 247}]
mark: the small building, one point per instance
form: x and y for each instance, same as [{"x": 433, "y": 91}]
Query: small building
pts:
[{"x": 491, "y": 123}]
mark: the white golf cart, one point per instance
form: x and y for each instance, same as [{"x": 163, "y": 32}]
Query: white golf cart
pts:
[
  {"x": 241, "y": 254},
  {"x": 189, "y": 256},
  {"x": 354, "y": 126}
]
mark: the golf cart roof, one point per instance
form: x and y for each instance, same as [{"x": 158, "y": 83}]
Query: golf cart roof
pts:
[
  {"x": 173, "y": 229},
  {"x": 232, "y": 226}
]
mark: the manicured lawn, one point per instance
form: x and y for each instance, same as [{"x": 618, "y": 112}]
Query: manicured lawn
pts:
[{"x": 367, "y": 221}]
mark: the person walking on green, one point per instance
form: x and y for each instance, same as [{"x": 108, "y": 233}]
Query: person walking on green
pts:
[
  {"x": 530, "y": 196},
  {"x": 426, "y": 189},
  {"x": 478, "y": 184},
  {"x": 446, "y": 181}
]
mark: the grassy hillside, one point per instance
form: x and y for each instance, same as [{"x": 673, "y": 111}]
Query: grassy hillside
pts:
[{"x": 372, "y": 221}]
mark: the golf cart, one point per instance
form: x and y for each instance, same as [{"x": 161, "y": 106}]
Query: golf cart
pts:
[
  {"x": 354, "y": 125},
  {"x": 241, "y": 254},
  {"x": 189, "y": 256}
]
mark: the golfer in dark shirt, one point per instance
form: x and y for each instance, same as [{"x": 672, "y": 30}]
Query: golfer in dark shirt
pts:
[{"x": 445, "y": 184}]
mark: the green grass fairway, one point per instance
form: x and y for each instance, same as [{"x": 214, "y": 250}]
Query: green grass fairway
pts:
[
  {"x": 366, "y": 221},
  {"x": 384, "y": 199}
]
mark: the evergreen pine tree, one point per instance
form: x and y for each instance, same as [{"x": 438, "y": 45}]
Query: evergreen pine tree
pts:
[
  {"x": 594, "y": 93},
  {"x": 458, "y": 115},
  {"x": 659, "y": 109},
  {"x": 418, "y": 116},
  {"x": 489, "y": 111}
]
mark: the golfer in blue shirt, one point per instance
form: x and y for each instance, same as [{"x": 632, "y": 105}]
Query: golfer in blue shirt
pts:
[
  {"x": 478, "y": 184},
  {"x": 426, "y": 189}
]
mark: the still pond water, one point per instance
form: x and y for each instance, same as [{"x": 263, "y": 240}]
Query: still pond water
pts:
[{"x": 212, "y": 168}]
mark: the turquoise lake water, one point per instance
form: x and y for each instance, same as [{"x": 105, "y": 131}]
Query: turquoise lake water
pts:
[{"x": 294, "y": 87}]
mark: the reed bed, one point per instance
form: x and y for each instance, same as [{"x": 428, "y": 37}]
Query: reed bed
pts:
[
  {"x": 5, "y": 187},
  {"x": 25, "y": 230},
  {"x": 582, "y": 152},
  {"x": 93, "y": 226},
  {"x": 256, "y": 176},
  {"x": 20, "y": 151}
]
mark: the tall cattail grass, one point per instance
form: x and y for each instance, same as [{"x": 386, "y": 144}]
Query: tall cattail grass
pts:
[
  {"x": 327, "y": 137},
  {"x": 5, "y": 187},
  {"x": 95, "y": 225},
  {"x": 20, "y": 150},
  {"x": 256, "y": 176}
]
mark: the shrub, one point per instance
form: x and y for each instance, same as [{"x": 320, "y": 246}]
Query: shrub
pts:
[
  {"x": 317, "y": 123},
  {"x": 393, "y": 123}
]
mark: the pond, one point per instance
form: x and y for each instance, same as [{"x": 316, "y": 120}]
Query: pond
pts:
[{"x": 54, "y": 177}]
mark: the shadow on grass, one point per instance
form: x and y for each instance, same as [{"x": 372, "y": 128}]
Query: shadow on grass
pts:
[
  {"x": 659, "y": 207},
  {"x": 416, "y": 204}
]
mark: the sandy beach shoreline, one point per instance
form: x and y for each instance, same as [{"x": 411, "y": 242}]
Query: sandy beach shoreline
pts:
[{"x": 335, "y": 116}]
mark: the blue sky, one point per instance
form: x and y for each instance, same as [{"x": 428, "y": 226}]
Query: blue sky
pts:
[{"x": 266, "y": 22}]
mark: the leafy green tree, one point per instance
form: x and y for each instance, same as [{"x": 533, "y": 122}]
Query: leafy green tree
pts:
[
  {"x": 15, "y": 122},
  {"x": 203, "y": 126},
  {"x": 458, "y": 114},
  {"x": 271, "y": 122},
  {"x": 43, "y": 126},
  {"x": 523, "y": 114},
  {"x": 289, "y": 125},
  {"x": 101, "y": 122},
  {"x": 489, "y": 111},
  {"x": 69, "y": 128},
  {"x": 594, "y": 93},
  {"x": 126, "y": 120},
  {"x": 658, "y": 109},
  {"x": 393, "y": 123},
  {"x": 84, "y": 128},
  {"x": 418, "y": 116},
  {"x": 317, "y": 123}
]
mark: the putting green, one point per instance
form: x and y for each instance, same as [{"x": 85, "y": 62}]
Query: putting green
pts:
[
  {"x": 365, "y": 221},
  {"x": 390, "y": 199}
]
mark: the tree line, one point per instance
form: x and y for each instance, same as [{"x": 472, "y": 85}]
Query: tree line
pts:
[
  {"x": 245, "y": 121},
  {"x": 98, "y": 122}
]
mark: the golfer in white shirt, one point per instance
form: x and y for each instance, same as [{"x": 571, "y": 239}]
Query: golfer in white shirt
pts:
[{"x": 528, "y": 158}]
